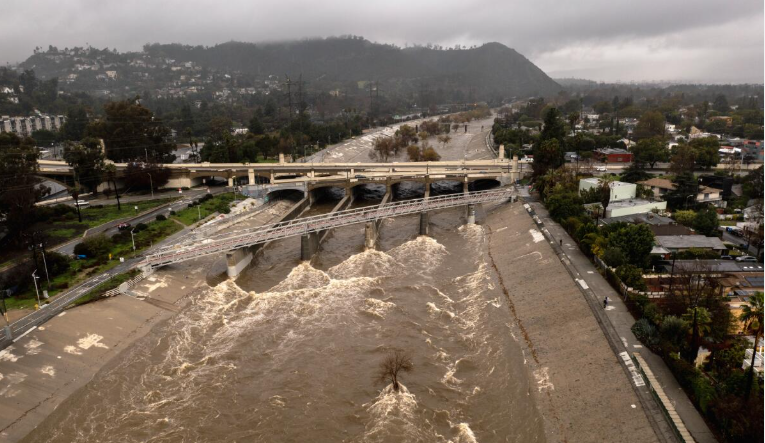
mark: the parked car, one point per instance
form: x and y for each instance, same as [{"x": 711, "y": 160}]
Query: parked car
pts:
[
  {"x": 81, "y": 203},
  {"x": 746, "y": 258},
  {"x": 123, "y": 226}
]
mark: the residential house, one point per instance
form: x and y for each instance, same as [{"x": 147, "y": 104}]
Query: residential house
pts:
[
  {"x": 622, "y": 201},
  {"x": 667, "y": 244},
  {"x": 661, "y": 186}
]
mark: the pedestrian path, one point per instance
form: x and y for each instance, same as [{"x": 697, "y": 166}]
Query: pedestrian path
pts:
[{"x": 620, "y": 318}]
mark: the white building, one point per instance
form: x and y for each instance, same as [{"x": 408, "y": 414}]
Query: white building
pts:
[{"x": 25, "y": 126}]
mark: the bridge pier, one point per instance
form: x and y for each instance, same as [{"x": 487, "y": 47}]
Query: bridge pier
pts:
[
  {"x": 471, "y": 214},
  {"x": 465, "y": 186},
  {"x": 309, "y": 245},
  {"x": 237, "y": 260},
  {"x": 251, "y": 176},
  {"x": 370, "y": 235},
  {"x": 231, "y": 182},
  {"x": 424, "y": 223}
]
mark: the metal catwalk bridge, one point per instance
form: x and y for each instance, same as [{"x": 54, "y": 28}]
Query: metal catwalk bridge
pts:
[{"x": 195, "y": 248}]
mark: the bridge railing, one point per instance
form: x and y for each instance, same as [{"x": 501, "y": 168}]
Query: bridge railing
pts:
[{"x": 248, "y": 237}]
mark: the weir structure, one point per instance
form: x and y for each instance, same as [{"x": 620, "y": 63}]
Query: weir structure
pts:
[{"x": 313, "y": 228}]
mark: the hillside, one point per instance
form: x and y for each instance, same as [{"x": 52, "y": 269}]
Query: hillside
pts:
[{"x": 489, "y": 72}]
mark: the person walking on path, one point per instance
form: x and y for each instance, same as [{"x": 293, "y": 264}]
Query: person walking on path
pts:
[{"x": 605, "y": 302}]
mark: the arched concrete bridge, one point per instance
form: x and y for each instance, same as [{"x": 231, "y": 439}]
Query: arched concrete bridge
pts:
[
  {"x": 313, "y": 175},
  {"x": 216, "y": 244}
]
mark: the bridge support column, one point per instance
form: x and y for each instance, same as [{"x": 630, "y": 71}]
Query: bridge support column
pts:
[
  {"x": 427, "y": 189},
  {"x": 309, "y": 245},
  {"x": 231, "y": 182},
  {"x": 471, "y": 214},
  {"x": 424, "y": 219},
  {"x": 465, "y": 186},
  {"x": 237, "y": 260},
  {"x": 251, "y": 176},
  {"x": 370, "y": 235}
]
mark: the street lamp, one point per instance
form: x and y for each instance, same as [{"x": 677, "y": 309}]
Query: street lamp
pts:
[
  {"x": 37, "y": 291},
  {"x": 45, "y": 264},
  {"x": 151, "y": 184},
  {"x": 132, "y": 238},
  {"x": 686, "y": 200}
]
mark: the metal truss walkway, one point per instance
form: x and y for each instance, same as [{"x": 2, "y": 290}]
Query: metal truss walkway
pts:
[{"x": 195, "y": 248}]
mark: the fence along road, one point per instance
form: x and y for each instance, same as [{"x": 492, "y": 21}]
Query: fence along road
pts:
[{"x": 248, "y": 237}]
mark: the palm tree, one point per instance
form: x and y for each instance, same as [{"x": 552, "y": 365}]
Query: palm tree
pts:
[{"x": 751, "y": 316}]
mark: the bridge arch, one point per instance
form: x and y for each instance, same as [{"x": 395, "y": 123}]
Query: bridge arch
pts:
[{"x": 484, "y": 184}]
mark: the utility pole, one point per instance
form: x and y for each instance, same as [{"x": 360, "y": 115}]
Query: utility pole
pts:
[
  {"x": 289, "y": 95},
  {"x": 151, "y": 185}
]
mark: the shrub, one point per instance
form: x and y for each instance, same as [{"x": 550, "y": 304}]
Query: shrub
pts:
[
  {"x": 172, "y": 213},
  {"x": 614, "y": 257},
  {"x": 652, "y": 312},
  {"x": 226, "y": 211},
  {"x": 57, "y": 263},
  {"x": 645, "y": 332},
  {"x": 161, "y": 217},
  {"x": 673, "y": 329},
  {"x": 140, "y": 227},
  {"x": 632, "y": 276},
  {"x": 93, "y": 247}
]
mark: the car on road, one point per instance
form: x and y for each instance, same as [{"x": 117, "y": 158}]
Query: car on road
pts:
[
  {"x": 359, "y": 176},
  {"x": 81, "y": 203},
  {"x": 123, "y": 226},
  {"x": 726, "y": 257},
  {"x": 601, "y": 168},
  {"x": 746, "y": 258}
]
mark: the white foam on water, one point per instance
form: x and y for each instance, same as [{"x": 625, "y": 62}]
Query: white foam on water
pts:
[
  {"x": 395, "y": 416},
  {"x": 377, "y": 308},
  {"x": 464, "y": 434}
]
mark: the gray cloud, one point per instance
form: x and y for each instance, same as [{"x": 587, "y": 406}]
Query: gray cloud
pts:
[{"x": 704, "y": 40}]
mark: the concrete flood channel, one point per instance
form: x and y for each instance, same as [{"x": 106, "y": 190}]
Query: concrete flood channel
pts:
[{"x": 288, "y": 351}]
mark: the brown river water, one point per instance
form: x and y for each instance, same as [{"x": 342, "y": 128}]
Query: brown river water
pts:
[{"x": 289, "y": 351}]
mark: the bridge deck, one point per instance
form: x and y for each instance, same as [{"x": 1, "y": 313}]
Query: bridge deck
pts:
[{"x": 195, "y": 248}]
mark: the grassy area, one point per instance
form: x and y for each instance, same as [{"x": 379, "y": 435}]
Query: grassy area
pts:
[
  {"x": 120, "y": 245},
  {"x": 218, "y": 203},
  {"x": 98, "y": 292},
  {"x": 728, "y": 222},
  {"x": 98, "y": 215}
]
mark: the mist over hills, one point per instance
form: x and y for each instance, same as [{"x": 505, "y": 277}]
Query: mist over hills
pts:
[{"x": 488, "y": 72}]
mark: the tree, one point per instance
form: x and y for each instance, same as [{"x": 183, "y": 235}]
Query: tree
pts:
[
  {"x": 721, "y": 104},
  {"x": 146, "y": 175},
  {"x": 553, "y": 127},
  {"x": 564, "y": 205},
  {"x": 705, "y": 222},
  {"x": 651, "y": 151},
  {"x": 547, "y": 155},
  {"x": 614, "y": 257},
  {"x": 75, "y": 124},
  {"x": 131, "y": 132},
  {"x": 87, "y": 161},
  {"x": 752, "y": 317},
  {"x": 632, "y": 276},
  {"x": 706, "y": 151},
  {"x": 383, "y": 149},
  {"x": 635, "y": 241},
  {"x": 692, "y": 286},
  {"x": 396, "y": 363},
  {"x": 20, "y": 189},
  {"x": 651, "y": 124},
  {"x": 110, "y": 170},
  {"x": 683, "y": 160},
  {"x": 256, "y": 126},
  {"x": 684, "y": 217},
  {"x": 685, "y": 192}
]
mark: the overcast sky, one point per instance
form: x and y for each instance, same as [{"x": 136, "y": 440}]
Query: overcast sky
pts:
[{"x": 609, "y": 40}]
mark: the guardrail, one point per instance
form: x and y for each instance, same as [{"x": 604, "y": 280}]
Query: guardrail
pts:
[
  {"x": 677, "y": 425},
  {"x": 248, "y": 237}
]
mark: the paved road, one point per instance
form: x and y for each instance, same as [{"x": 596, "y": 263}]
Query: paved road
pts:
[{"x": 622, "y": 321}]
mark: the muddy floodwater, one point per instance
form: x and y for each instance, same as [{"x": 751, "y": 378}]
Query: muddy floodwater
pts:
[{"x": 288, "y": 352}]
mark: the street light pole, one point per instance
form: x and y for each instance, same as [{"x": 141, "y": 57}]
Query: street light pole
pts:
[
  {"x": 45, "y": 264},
  {"x": 151, "y": 185},
  {"x": 34, "y": 279},
  {"x": 199, "y": 212},
  {"x": 132, "y": 238}
]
